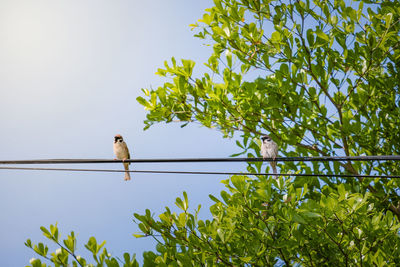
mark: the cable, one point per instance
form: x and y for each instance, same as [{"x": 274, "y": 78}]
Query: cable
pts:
[
  {"x": 181, "y": 160},
  {"x": 204, "y": 173}
]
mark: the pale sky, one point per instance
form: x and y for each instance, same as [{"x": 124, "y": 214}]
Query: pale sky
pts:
[{"x": 70, "y": 72}]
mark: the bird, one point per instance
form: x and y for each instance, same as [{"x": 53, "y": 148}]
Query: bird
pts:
[
  {"x": 269, "y": 149},
  {"x": 121, "y": 152}
]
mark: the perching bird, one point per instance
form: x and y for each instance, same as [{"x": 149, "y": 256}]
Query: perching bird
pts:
[
  {"x": 269, "y": 149},
  {"x": 121, "y": 152}
]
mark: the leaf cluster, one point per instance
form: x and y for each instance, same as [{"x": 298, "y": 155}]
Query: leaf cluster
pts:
[
  {"x": 320, "y": 77},
  {"x": 268, "y": 222},
  {"x": 65, "y": 254}
]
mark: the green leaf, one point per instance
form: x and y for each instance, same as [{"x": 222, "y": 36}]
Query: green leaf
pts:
[
  {"x": 322, "y": 35},
  {"x": 225, "y": 196},
  {"x": 297, "y": 218},
  {"x": 284, "y": 69},
  {"x": 311, "y": 214},
  {"x": 179, "y": 203},
  {"x": 28, "y": 243},
  {"x": 127, "y": 258},
  {"x": 186, "y": 203},
  {"x": 214, "y": 198},
  {"x": 143, "y": 102},
  {"x": 246, "y": 259},
  {"x": 45, "y": 232},
  {"x": 221, "y": 235},
  {"x": 139, "y": 235},
  {"x": 54, "y": 231},
  {"x": 276, "y": 37},
  {"x": 238, "y": 182},
  {"x": 342, "y": 192},
  {"x": 310, "y": 37}
]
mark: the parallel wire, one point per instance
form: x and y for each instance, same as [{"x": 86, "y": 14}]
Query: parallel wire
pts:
[
  {"x": 182, "y": 160},
  {"x": 203, "y": 173}
]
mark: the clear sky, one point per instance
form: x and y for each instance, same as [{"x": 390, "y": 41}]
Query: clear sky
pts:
[{"x": 70, "y": 72}]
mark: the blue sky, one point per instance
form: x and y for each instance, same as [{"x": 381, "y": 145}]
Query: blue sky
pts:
[{"x": 70, "y": 72}]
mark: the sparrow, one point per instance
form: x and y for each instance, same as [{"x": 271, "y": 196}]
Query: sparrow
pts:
[
  {"x": 269, "y": 149},
  {"x": 121, "y": 152}
]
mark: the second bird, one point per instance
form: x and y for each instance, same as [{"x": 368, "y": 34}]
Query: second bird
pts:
[
  {"x": 121, "y": 152},
  {"x": 269, "y": 149}
]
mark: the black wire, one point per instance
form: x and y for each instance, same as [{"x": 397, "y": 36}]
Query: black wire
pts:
[
  {"x": 178, "y": 160},
  {"x": 204, "y": 173}
]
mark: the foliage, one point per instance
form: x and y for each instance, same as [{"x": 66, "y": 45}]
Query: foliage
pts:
[
  {"x": 321, "y": 78},
  {"x": 264, "y": 222},
  {"x": 65, "y": 254}
]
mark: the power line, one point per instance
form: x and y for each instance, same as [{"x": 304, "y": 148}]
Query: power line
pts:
[
  {"x": 203, "y": 173},
  {"x": 183, "y": 160}
]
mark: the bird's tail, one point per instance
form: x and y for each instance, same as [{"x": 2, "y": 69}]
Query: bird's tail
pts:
[
  {"x": 273, "y": 165},
  {"x": 127, "y": 174}
]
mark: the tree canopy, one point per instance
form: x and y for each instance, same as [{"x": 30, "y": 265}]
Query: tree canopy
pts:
[{"x": 322, "y": 79}]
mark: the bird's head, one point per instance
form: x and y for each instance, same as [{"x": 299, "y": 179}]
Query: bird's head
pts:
[
  {"x": 118, "y": 138},
  {"x": 266, "y": 138}
]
